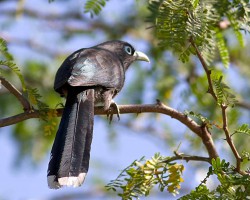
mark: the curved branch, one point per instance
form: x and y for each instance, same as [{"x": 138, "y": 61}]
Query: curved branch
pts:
[
  {"x": 159, "y": 107},
  {"x": 223, "y": 109},
  {"x": 124, "y": 109},
  {"x": 21, "y": 98}
]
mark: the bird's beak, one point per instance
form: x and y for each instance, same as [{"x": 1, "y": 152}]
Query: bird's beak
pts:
[{"x": 141, "y": 56}]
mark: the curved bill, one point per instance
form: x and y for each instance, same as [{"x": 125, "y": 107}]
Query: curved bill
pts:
[{"x": 141, "y": 56}]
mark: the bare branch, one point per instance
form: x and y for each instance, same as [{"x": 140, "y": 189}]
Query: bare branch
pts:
[
  {"x": 41, "y": 15},
  {"x": 124, "y": 109},
  {"x": 208, "y": 142},
  {"x": 18, "y": 118},
  {"x": 243, "y": 104},
  {"x": 146, "y": 108},
  {"x": 229, "y": 140},
  {"x": 21, "y": 98}
]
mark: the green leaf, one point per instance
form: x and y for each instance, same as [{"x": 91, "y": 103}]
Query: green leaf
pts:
[
  {"x": 222, "y": 47},
  {"x": 244, "y": 128},
  {"x": 195, "y": 3},
  {"x": 138, "y": 179},
  {"x": 94, "y": 7},
  {"x": 16, "y": 70},
  {"x": 223, "y": 91},
  {"x": 34, "y": 98},
  {"x": 198, "y": 116},
  {"x": 4, "y": 50},
  {"x": 177, "y": 21}
]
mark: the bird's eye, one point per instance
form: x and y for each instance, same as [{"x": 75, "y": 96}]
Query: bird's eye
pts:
[{"x": 128, "y": 50}]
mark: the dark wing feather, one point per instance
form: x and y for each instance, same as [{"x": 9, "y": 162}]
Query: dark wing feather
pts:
[
  {"x": 91, "y": 67},
  {"x": 64, "y": 72}
]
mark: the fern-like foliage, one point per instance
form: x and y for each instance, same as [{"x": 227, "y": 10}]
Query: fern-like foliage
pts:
[
  {"x": 201, "y": 119},
  {"x": 4, "y": 53},
  {"x": 198, "y": 116},
  {"x": 237, "y": 12},
  {"x": 15, "y": 69},
  {"x": 140, "y": 177},
  {"x": 51, "y": 124},
  {"x": 35, "y": 100},
  {"x": 176, "y": 22},
  {"x": 32, "y": 93},
  {"x": 244, "y": 128},
  {"x": 232, "y": 185},
  {"x": 94, "y": 7},
  {"x": 221, "y": 44},
  {"x": 223, "y": 92},
  {"x": 6, "y": 60}
]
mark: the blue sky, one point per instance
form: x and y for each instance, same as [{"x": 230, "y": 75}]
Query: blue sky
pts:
[{"x": 28, "y": 182}]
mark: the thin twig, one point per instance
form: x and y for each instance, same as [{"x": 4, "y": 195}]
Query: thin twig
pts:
[
  {"x": 181, "y": 156},
  {"x": 229, "y": 140},
  {"x": 21, "y": 98},
  {"x": 243, "y": 104},
  {"x": 205, "y": 67}
]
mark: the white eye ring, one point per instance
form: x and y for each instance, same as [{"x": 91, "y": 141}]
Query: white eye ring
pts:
[{"x": 128, "y": 50}]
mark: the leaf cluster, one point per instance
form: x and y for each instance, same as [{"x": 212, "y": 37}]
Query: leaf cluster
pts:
[
  {"x": 94, "y": 7},
  {"x": 232, "y": 185},
  {"x": 244, "y": 128},
  {"x": 223, "y": 92},
  {"x": 178, "y": 22},
  {"x": 6, "y": 61},
  {"x": 139, "y": 178},
  {"x": 22, "y": 131},
  {"x": 32, "y": 93}
]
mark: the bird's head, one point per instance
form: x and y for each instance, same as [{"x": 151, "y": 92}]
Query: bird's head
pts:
[{"x": 125, "y": 51}]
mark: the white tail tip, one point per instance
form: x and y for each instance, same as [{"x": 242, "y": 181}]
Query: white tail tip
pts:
[{"x": 71, "y": 181}]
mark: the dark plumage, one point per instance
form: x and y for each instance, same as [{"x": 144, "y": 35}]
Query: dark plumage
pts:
[{"x": 89, "y": 77}]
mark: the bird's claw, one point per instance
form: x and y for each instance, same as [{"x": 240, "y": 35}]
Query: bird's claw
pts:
[{"x": 110, "y": 114}]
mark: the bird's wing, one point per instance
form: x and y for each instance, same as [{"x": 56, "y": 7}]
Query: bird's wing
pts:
[{"x": 91, "y": 67}]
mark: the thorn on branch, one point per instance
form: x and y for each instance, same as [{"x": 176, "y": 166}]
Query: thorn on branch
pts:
[{"x": 158, "y": 102}]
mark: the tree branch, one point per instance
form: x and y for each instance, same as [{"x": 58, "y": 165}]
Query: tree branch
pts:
[
  {"x": 223, "y": 109},
  {"x": 243, "y": 104},
  {"x": 205, "y": 67},
  {"x": 21, "y": 98},
  {"x": 146, "y": 108},
  {"x": 181, "y": 156},
  {"x": 229, "y": 140}
]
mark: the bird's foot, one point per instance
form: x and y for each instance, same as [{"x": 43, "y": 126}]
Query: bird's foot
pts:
[{"x": 110, "y": 114}]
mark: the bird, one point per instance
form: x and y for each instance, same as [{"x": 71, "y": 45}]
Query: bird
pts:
[{"x": 87, "y": 78}]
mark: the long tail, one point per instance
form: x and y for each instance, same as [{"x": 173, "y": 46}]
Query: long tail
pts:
[{"x": 69, "y": 161}]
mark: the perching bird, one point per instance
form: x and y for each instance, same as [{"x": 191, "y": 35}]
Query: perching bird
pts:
[{"x": 87, "y": 78}]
